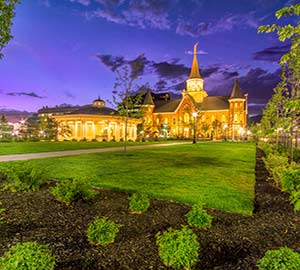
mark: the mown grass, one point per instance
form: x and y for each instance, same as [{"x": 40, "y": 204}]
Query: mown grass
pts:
[
  {"x": 220, "y": 174},
  {"x": 9, "y": 148}
]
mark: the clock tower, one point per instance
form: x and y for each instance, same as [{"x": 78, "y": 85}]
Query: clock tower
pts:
[{"x": 194, "y": 84}]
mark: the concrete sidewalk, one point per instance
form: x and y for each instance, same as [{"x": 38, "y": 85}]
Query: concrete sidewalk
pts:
[{"x": 79, "y": 152}]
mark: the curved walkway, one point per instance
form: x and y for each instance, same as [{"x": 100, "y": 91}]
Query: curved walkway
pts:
[{"x": 79, "y": 152}]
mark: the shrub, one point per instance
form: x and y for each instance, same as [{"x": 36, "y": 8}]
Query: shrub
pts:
[
  {"x": 283, "y": 259},
  {"x": 24, "y": 177},
  {"x": 178, "y": 248},
  {"x": 198, "y": 217},
  {"x": 267, "y": 147},
  {"x": 28, "y": 256},
  {"x": 138, "y": 203},
  {"x": 70, "y": 190},
  {"x": 1, "y": 211},
  {"x": 276, "y": 165},
  {"x": 291, "y": 183},
  {"x": 102, "y": 231},
  {"x": 290, "y": 180}
]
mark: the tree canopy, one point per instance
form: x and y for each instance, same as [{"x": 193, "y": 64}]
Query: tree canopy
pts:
[{"x": 7, "y": 13}]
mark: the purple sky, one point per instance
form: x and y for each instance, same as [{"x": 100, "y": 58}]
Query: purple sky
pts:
[{"x": 67, "y": 51}]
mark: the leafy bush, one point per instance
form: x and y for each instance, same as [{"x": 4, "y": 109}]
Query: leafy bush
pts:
[
  {"x": 267, "y": 147},
  {"x": 1, "y": 211},
  {"x": 28, "y": 256},
  {"x": 138, "y": 203},
  {"x": 23, "y": 177},
  {"x": 291, "y": 183},
  {"x": 282, "y": 259},
  {"x": 178, "y": 248},
  {"x": 102, "y": 231},
  {"x": 291, "y": 180},
  {"x": 198, "y": 217},
  {"x": 71, "y": 190},
  {"x": 276, "y": 165}
]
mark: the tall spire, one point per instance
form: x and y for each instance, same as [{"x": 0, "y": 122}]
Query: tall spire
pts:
[
  {"x": 236, "y": 91},
  {"x": 195, "y": 69},
  {"x": 148, "y": 100}
]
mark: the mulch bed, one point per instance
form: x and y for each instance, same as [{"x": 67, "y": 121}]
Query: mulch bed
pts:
[{"x": 234, "y": 241}]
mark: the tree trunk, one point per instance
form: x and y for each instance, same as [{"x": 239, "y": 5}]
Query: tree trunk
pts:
[{"x": 126, "y": 129}]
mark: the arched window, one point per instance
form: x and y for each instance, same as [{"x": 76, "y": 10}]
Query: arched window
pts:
[
  {"x": 186, "y": 118},
  {"x": 235, "y": 119}
]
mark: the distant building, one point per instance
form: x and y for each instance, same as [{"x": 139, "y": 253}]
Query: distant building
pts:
[
  {"x": 195, "y": 113},
  {"x": 93, "y": 122}
]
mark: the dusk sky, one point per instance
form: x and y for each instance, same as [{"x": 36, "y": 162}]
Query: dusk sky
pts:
[{"x": 67, "y": 51}]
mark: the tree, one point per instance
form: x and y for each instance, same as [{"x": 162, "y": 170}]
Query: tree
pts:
[
  {"x": 216, "y": 125},
  {"x": 47, "y": 128},
  {"x": 290, "y": 64},
  {"x": 125, "y": 96},
  {"x": 7, "y": 13},
  {"x": 205, "y": 128},
  {"x": 5, "y": 129}
]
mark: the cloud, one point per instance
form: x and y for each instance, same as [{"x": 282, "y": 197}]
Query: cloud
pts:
[
  {"x": 29, "y": 94},
  {"x": 170, "y": 70},
  {"x": 112, "y": 62},
  {"x": 137, "y": 65},
  {"x": 271, "y": 54},
  {"x": 198, "y": 52},
  {"x": 259, "y": 83},
  {"x": 194, "y": 28},
  {"x": 83, "y": 2},
  {"x": 137, "y": 13},
  {"x": 68, "y": 94},
  {"x": 45, "y": 3}
]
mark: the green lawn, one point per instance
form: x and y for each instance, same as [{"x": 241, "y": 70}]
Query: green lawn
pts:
[
  {"x": 9, "y": 148},
  {"x": 220, "y": 174}
]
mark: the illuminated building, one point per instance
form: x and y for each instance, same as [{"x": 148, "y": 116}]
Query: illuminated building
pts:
[
  {"x": 194, "y": 115},
  {"x": 217, "y": 116}
]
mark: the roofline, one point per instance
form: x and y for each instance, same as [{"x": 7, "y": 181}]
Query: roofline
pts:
[
  {"x": 94, "y": 115},
  {"x": 165, "y": 113},
  {"x": 214, "y": 110},
  {"x": 238, "y": 99}
]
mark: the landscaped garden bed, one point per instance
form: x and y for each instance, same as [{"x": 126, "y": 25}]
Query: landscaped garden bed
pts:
[{"x": 233, "y": 242}]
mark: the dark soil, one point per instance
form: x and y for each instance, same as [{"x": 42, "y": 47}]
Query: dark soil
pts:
[{"x": 234, "y": 241}]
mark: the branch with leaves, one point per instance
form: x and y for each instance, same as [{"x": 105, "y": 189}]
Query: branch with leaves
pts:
[{"x": 7, "y": 13}]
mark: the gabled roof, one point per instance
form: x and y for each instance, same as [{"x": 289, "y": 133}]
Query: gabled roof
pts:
[
  {"x": 163, "y": 106},
  {"x": 236, "y": 91},
  {"x": 89, "y": 109},
  {"x": 212, "y": 103}
]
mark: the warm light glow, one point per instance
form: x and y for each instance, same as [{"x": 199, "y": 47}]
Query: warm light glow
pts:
[
  {"x": 195, "y": 114},
  {"x": 241, "y": 131}
]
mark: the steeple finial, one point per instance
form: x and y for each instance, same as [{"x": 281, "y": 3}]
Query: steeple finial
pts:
[
  {"x": 195, "y": 69},
  {"x": 195, "y": 48}
]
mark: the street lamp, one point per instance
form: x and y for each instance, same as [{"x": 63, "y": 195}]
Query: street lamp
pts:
[{"x": 195, "y": 114}]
